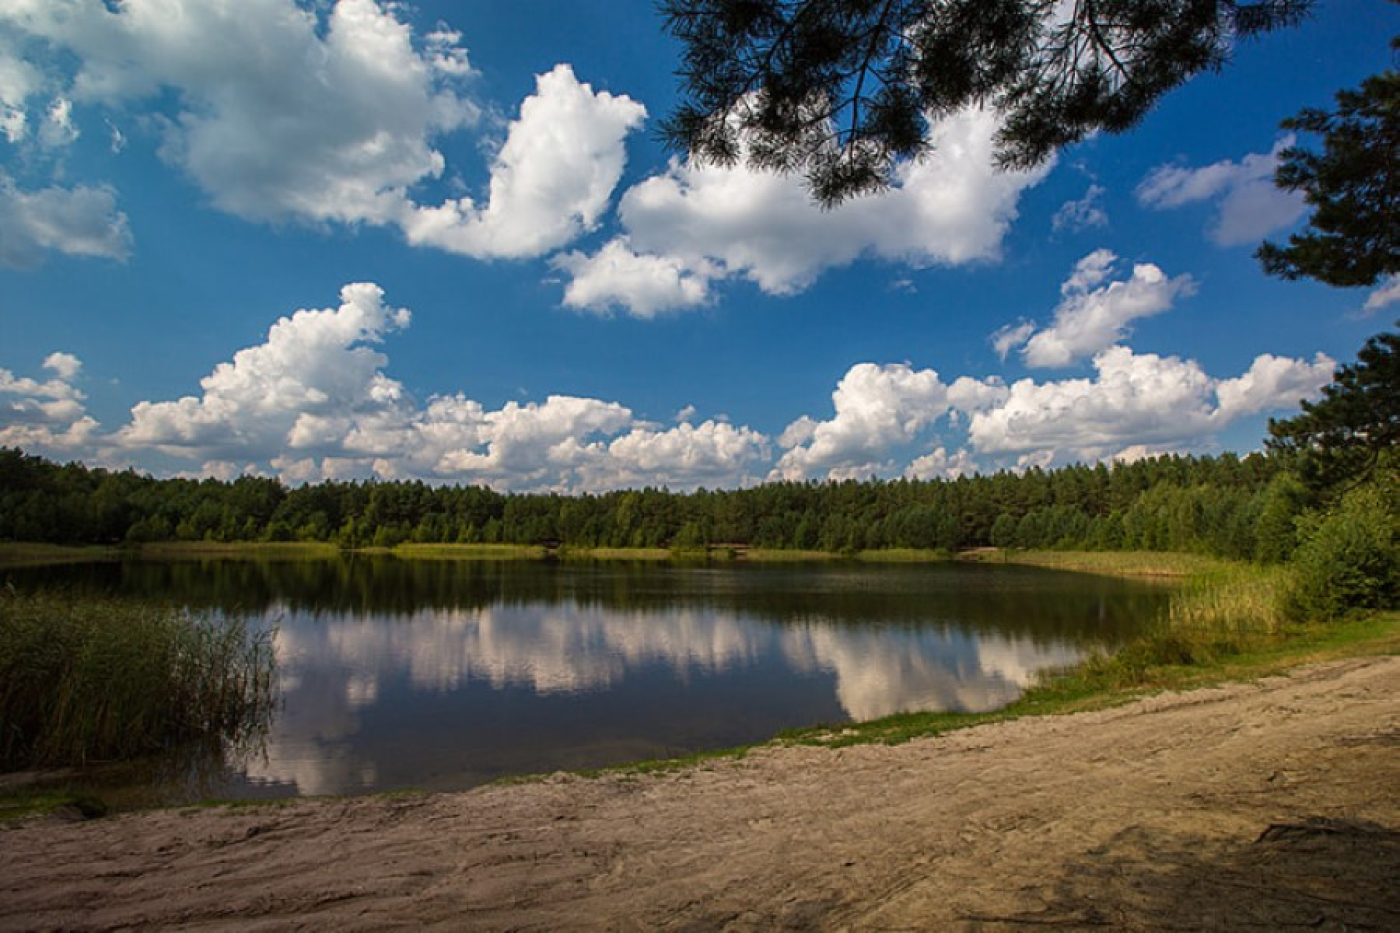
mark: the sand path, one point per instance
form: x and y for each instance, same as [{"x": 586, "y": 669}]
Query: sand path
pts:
[{"x": 1259, "y": 806}]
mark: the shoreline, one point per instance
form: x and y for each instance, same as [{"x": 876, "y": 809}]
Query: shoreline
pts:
[
  {"x": 1256, "y": 804},
  {"x": 1168, "y": 564}
]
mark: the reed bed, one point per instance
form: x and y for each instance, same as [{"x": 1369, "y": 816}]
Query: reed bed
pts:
[
  {"x": 1218, "y": 613},
  {"x": 1164, "y": 565},
  {"x": 88, "y": 679}
]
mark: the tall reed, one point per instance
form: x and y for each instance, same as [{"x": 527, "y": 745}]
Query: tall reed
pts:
[
  {"x": 86, "y": 679},
  {"x": 1217, "y": 613}
]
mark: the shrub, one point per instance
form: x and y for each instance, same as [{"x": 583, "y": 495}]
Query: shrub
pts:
[{"x": 1348, "y": 559}]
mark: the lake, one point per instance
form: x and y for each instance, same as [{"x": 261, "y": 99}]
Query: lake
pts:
[{"x": 429, "y": 674}]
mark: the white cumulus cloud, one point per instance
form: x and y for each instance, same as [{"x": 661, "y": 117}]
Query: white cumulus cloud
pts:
[
  {"x": 707, "y": 222},
  {"x": 1248, "y": 204},
  {"x": 314, "y": 401},
  {"x": 939, "y": 464},
  {"x": 1094, "y": 313},
  {"x": 313, "y": 381},
  {"x": 551, "y": 181},
  {"x": 77, "y": 221},
  {"x": 287, "y": 115},
  {"x": 325, "y": 113},
  {"x": 1136, "y": 401},
  {"x": 19, "y": 80},
  {"x": 1133, "y": 405},
  {"x": 46, "y": 416},
  {"x": 58, "y": 128},
  {"x": 877, "y": 409},
  {"x": 642, "y": 285},
  {"x": 711, "y": 453},
  {"x": 1272, "y": 382}
]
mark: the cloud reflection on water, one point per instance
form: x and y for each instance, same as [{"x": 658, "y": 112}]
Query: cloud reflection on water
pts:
[{"x": 336, "y": 668}]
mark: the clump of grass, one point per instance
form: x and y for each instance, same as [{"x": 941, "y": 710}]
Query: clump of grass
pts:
[
  {"x": 93, "y": 679},
  {"x": 1226, "y": 611},
  {"x": 615, "y": 553},
  {"x": 237, "y": 550},
  {"x": 17, "y": 554},
  {"x": 1140, "y": 564},
  {"x": 1235, "y": 599},
  {"x": 415, "y": 551},
  {"x": 906, "y": 555}
]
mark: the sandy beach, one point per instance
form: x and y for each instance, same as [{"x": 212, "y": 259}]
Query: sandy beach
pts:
[{"x": 1257, "y": 806}]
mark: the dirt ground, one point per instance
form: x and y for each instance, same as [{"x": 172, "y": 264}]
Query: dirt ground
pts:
[{"x": 1261, "y": 806}]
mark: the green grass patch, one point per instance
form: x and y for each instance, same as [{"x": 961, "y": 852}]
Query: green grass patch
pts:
[
  {"x": 251, "y": 550},
  {"x": 19, "y": 803},
  {"x": 468, "y": 552},
  {"x": 615, "y": 553},
  {"x": 22, "y": 554},
  {"x": 1138, "y": 564},
  {"x": 905, "y": 556},
  {"x": 778, "y": 556},
  {"x": 89, "y": 679}
]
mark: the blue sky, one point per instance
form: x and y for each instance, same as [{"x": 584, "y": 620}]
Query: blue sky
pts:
[{"x": 442, "y": 241}]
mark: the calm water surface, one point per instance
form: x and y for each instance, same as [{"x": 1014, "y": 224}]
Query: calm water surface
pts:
[{"x": 447, "y": 674}]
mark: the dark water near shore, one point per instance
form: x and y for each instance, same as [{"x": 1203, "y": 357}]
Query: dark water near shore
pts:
[{"x": 447, "y": 674}]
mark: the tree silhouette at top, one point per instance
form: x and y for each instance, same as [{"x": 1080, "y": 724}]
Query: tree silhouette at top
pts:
[
  {"x": 843, "y": 90},
  {"x": 1352, "y": 185}
]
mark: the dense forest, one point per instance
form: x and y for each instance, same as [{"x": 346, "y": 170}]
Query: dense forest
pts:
[{"x": 1223, "y": 505}]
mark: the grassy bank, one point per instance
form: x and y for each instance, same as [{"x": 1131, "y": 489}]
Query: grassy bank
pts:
[
  {"x": 464, "y": 551},
  {"x": 1139, "y": 564},
  {"x": 21, "y": 554},
  {"x": 251, "y": 550},
  {"x": 91, "y": 679},
  {"x": 1142, "y": 564}
]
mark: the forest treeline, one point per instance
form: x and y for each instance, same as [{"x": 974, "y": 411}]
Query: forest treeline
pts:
[{"x": 1229, "y": 506}]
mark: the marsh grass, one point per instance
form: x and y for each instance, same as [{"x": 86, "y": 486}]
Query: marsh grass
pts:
[
  {"x": 24, "y": 554},
  {"x": 1136, "y": 564},
  {"x": 237, "y": 550},
  {"x": 84, "y": 680},
  {"x": 653, "y": 554},
  {"x": 1228, "y": 610},
  {"x": 415, "y": 551},
  {"x": 905, "y": 556}
]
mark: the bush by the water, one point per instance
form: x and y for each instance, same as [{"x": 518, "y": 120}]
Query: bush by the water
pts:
[
  {"x": 85, "y": 679},
  {"x": 1349, "y": 558}
]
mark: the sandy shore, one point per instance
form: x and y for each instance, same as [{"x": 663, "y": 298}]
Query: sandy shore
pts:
[{"x": 1260, "y": 806}]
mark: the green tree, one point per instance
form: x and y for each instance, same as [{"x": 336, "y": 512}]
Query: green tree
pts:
[
  {"x": 842, "y": 90},
  {"x": 1349, "y": 558},
  {"x": 1276, "y": 528},
  {"x": 1353, "y": 236},
  {"x": 1340, "y": 438}
]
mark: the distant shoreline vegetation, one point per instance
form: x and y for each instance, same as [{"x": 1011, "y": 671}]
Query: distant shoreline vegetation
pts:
[
  {"x": 1341, "y": 542},
  {"x": 1223, "y": 506}
]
